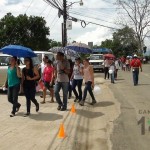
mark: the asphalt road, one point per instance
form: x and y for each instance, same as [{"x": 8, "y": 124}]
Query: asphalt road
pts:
[
  {"x": 91, "y": 124},
  {"x": 135, "y": 104}
]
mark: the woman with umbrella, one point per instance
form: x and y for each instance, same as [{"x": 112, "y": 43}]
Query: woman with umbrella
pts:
[
  {"x": 29, "y": 75},
  {"x": 13, "y": 84}
]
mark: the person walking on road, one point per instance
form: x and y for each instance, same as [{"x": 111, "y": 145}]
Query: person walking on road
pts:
[
  {"x": 29, "y": 75},
  {"x": 13, "y": 84},
  {"x": 116, "y": 68},
  {"x": 106, "y": 68},
  {"x": 43, "y": 65},
  {"x": 112, "y": 71},
  {"x": 70, "y": 79},
  {"x": 128, "y": 63},
  {"x": 48, "y": 75},
  {"x": 77, "y": 77},
  {"x": 89, "y": 82},
  {"x": 62, "y": 80},
  {"x": 135, "y": 64}
]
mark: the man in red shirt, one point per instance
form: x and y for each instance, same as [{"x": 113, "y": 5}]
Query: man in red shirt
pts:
[{"x": 136, "y": 64}]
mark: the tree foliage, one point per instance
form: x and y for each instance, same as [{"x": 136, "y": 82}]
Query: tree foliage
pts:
[
  {"x": 135, "y": 14},
  {"x": 124, "y": 42},
  {"x": 27, "y": 31}
]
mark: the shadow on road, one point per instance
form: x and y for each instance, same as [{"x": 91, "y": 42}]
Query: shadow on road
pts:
[
  {"x": 104, "y": 104},
  {"x": 143, "y": 84},
  {"x": 46, "y": 117},
  {"x": 120, "y": 79},
  {"x": 89, "y": 114}
]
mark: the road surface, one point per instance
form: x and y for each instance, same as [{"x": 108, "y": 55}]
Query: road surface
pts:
[
  {"x": 112, "y": 124},
  {"x": 135, "y": 104}
]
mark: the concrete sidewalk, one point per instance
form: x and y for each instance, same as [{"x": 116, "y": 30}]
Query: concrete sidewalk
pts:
[{"x": 88, "y": 129}]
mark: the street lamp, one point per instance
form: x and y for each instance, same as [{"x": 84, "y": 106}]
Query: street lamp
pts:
[
  {"x": 80, "y": 2},
  {"x": 64, "y": 29}
]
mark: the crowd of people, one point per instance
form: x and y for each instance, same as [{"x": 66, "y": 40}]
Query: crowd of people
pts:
[
  {"x": 62, "y": 75},
  {"x": 112, "y": 65},
  {"x": 54, "y": 76}
]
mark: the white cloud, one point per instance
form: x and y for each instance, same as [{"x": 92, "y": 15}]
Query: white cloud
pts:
[
  {"x": 96, "y": 36},
  {"x": 91, "y": 8}
]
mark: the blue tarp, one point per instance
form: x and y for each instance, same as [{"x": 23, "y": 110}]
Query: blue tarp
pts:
[{"x": 102, "y": 50}]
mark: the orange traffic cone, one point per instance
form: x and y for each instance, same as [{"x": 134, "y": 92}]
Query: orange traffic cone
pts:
[
  {"x": 73, "y": 110},
  {"x": 61, "y": 133}
]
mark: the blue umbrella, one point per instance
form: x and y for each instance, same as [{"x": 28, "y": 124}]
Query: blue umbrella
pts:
[
  {"x": 80, "y": 48},
  {"x": 18, "y": 51}
]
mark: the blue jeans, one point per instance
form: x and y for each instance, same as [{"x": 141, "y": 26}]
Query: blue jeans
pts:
[
  {"x": 64, "y": 86},
  {"x": 88, "y": 88},
  {"x": 13, "y": 96},
  {"x": 135, "y": 76},
  {"x": 79, "y": 84},
  {"x": 112, "y": 77}
]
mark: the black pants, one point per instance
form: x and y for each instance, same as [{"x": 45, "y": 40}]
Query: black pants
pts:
[
  {"x": 135, "y": 76},
  {"x": 106, "y": 72},
  {"x": 79, "y": 84},
  {"x": 89, "y": 89},
  {"x": 70, "y": 90},
  {"x": 30, "y": 96},
  {"x": 13, "y": 97},
  {"x": 116, "y": 73}
]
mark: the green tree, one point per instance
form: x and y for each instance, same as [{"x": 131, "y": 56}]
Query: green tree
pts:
[
  {"x": 23, "y": 30},
  {"x": 135, "y": 13},
  {"x": 124, "y": 42},
  {"x": 107, "y": 44},
  {"x": 53, "y": 43}
]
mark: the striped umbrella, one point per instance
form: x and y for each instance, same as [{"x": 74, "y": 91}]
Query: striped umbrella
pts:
[
  {"x": 80, "y": 48},
  {"x": 64, "y": 50}
]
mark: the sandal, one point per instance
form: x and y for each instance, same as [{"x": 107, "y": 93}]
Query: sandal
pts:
[{"x": 42, "y": 102}]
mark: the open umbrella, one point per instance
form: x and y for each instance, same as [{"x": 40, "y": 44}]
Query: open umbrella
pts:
[
  {"x": 109, "y": 56},
  {"x": 64, "y": 50},
  {"x": 80, "y": 48},
  {"x": 18, "y": 51}
]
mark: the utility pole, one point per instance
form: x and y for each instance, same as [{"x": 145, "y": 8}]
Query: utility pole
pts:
[{"x": 64, "y": 29}]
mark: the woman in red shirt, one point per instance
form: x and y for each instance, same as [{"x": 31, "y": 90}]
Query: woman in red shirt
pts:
[{"x": 48, "y": 75}]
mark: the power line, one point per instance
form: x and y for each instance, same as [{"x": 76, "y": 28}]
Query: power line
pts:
[
  {"x": 85, "y": 22},
  {"x": 29, "y": 6},
  {"x": 96, "y": 12},
  {"x": 53, "y": 3},
  {"x": 79, "y": 14},
  {"x": 53, "y": 20}
]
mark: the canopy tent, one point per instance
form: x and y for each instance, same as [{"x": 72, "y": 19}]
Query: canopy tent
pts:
[{"x": 102, "y": 51}]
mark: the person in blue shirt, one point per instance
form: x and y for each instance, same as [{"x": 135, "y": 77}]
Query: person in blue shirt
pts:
[{"x": 13, "y": 84}]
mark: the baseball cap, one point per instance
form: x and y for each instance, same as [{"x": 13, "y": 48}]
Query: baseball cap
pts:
[{"x": 135, "y": 55}]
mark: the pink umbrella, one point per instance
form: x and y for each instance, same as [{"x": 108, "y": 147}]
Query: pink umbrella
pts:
[{"x": 109, "y": 56}]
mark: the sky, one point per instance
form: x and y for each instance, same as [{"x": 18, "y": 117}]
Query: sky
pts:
[{"x": 96, "y": 11}]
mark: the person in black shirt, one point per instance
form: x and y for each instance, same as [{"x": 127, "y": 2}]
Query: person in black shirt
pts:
[{"x": 29, "y": 75}]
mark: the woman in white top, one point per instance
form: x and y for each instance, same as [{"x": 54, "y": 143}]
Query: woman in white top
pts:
[
  {"x": 117, "y": 68},
  {"x": 89, "y": 82},
  {"x": 77, "y": 77},
  {"x": 112, "y": 68}
]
